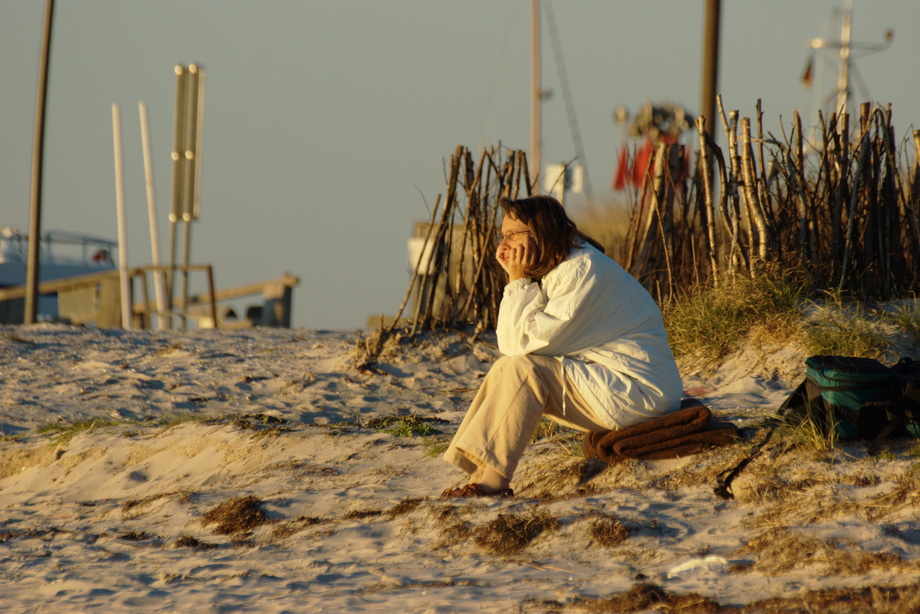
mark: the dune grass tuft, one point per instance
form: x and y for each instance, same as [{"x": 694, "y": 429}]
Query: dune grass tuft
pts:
[
  {"x": 845, "y": 329},
  {"x": 62, "y": 432},
  {"x": 405, "y": 426},
  {"x": 710, "y": 323},
  {"x": 907, "y": 317}
]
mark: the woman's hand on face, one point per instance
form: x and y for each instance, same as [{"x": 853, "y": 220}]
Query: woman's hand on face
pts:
[{"x": 515, "y": 259}]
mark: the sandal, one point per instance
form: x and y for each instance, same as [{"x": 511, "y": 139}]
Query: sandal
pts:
[{"x": 474, "y": 489}]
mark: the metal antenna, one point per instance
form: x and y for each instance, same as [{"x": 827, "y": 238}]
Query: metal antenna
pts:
[
  {"x": 846, "y": 48},
  {"x": 567, "y": 95}
]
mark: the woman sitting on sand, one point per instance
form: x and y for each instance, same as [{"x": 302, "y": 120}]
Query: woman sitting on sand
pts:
[{"x": 583, "y": 342}]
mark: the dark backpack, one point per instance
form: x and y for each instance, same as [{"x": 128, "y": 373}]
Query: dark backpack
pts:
[
  {"x": 855, "y": 398},
  {"x": 905, "y": 406}
]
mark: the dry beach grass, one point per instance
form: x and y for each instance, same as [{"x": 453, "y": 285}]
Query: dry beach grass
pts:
[{"x": 261, "y": 471}]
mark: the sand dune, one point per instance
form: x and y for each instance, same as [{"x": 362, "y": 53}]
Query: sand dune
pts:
[{"x": 258, "y": 470}]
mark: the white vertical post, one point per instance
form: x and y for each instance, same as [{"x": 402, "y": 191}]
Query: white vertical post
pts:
[
  {"x": 159, "y": 276},
  {"x": 120, "y": 212},
  {"x": 843, "y": 74},
  {"x": 177, "y": 168}
]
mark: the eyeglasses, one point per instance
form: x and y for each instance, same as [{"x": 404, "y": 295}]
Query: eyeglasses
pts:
[{"x": 507, "y": 236}]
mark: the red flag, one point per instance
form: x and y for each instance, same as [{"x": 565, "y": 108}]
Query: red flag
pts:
[{"x": 806, "y": 76}]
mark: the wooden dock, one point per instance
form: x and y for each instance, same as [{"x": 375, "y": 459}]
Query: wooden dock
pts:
[{"x": 96, "y": 299}]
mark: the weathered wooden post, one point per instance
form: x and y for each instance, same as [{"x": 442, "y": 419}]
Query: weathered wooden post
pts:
[
  {"x": 33, "y": 264},
  {"x": 755, "y": 208},
  {"x": 276, "y": 305},
  {"x": 708, "y": 205}
]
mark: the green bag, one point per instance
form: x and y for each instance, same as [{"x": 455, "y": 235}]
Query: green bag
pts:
[
  {"x": 855, "y": 398},
  {"x": 847, "y": 385}
]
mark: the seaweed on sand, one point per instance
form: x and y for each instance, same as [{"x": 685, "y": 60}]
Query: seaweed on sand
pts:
[{"x": 236, "y": 516}]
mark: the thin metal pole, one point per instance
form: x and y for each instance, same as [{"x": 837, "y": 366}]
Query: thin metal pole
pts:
[
  {"x": 38, "y": 142},
  {"x": 186, "y": 256}
]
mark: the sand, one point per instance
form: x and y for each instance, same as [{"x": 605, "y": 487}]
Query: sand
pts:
[{"x": 259, "y": 470}]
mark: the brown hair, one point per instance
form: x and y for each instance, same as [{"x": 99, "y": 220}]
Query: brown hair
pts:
[{"x": 553, "y": 232}]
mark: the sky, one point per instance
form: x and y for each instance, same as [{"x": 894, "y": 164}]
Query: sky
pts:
[{"x": 328, "y": 123}]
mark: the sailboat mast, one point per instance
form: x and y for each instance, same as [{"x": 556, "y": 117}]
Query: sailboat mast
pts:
[
  {"x": 843, "y": 76},
  {"x": 535, "y": 121}
]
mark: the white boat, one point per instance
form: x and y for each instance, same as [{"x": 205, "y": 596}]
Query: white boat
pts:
[{"x": 62, "y": 254}]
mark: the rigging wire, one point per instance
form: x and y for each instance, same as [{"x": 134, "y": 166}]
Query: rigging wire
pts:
[
  {"x": 567, "y": 94},
  {"x": 497, "y": 89}
]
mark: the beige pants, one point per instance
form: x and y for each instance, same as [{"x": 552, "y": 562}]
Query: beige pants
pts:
[{"x": 516, "y": 392}]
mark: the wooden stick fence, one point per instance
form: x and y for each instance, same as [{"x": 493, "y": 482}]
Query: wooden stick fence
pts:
[
  {"x": 457, "y": 283},
  {"x": 846, "y": 215},
  {"x": 460, "y": 283}
]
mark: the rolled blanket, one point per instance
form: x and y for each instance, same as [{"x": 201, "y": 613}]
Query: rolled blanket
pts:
[{"x": 686, "y": 431}]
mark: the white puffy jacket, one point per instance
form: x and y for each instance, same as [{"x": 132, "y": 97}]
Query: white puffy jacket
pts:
[{"x": 605, "y": 328}]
